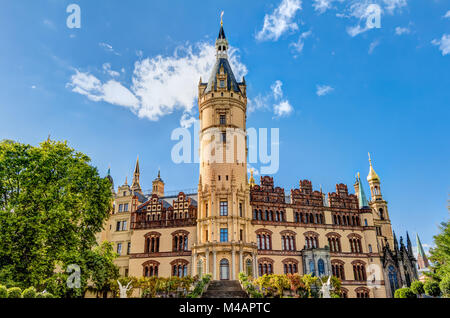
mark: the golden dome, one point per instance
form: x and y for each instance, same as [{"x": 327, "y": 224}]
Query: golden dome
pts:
[
  {"x": 252, "y": 180},
  {"x": 372, "y": 174}
]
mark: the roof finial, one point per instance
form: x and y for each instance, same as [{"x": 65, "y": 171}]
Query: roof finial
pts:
[
  {"x": 370, "y": 160},
  {"x": 221, "y": 18}
]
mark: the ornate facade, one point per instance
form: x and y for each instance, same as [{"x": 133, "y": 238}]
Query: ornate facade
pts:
[{"x": 234, "y": 225}]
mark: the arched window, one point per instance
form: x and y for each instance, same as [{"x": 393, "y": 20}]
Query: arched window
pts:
[
  {"x": 249, "y": 267},
  {"x": 321, "y": 267},
  {"x": 393, "y": 282},
  {"x": 312, "y": 268}
]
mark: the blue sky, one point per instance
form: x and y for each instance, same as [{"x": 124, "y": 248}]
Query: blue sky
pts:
[{"x": 344, "y": 90}]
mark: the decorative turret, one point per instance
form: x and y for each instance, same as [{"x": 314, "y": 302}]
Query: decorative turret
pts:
[
  {"x": 362, "y": 200},
  {"x": 395, "y": 243},
  {"x": 252, "y": 179},
  {"x": 409, "y": 245},
  {"x": 135, "y": 186},
  {"x": 374, "y": 182},
  {"x": 422, "y": 260},
  {"x": 110, "y": 179},
  {"x": 158, "y": 186}
]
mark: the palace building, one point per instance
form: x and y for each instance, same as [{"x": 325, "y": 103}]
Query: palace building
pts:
[{"x": 232, "y": 225}]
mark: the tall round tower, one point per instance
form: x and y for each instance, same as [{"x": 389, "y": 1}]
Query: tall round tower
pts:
[{"x": 224, "y": 246}]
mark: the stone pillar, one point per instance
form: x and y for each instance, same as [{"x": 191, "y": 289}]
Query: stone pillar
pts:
[
  {"x": 207, "y": 262},
  {"x": 241, "y": 259},
  {"x": 233, "y": 263},
  {"x": 194, "y": 264},
  {"x": 255, "y": 266},
  {"x": 214, "y": 265}
]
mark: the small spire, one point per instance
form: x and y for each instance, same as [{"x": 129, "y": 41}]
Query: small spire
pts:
[
  {"x": 252, "y": 179},
  {"x": 136, "y": 169},
  {"x": 126, "y": 181},
  {"x": 372, "y": 174},
  {"x": 362, "y": 199},
  {"x": 109, "y": 170}
]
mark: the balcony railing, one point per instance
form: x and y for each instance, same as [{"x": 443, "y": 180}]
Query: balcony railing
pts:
[{"x": 139, "y": 225}]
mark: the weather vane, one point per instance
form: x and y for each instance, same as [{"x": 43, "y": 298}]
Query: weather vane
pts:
[{"x": 221, "y": 18}]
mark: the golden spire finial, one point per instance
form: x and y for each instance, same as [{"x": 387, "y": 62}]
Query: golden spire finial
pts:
[
  {"x": 221, "y": 18},
  {"x": 358, "y": 175},
  {"x": 372, "y": 174},
  {"x": 252, "y": 180}
]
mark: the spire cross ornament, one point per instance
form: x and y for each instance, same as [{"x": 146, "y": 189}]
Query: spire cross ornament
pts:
[{"x": 221, "y": 18}]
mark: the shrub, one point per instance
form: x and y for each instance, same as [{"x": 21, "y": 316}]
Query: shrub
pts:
[
  {"x": 445, "y": 286},
  {"x": 14, "y": 292},
  {"x": 432, "y": 288},
  {"x": 3, "y": 292},
  {"x": 404, "y": 293},
  {"x": 40, "y": 295},
  {"x": 417, "y": 288},
  {"x": 29, "y": 293}
]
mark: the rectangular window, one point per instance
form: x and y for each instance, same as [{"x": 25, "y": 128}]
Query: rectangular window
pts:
[
  {"x": 119, "y": 248},
  {"x": 125, "y": 207},
  {"x": 223, "y": 208},
  {"x": 124, "y": 225},
  {"x": 120, "y": 207},
  {"x": 129, "y": 248},
  {"x": 240, "y": 209},
  {"x": 118, "y": 226},
  {"x": 206, "y": 210},
  {"x": 224, "y": 137},
  {"x": 241, "y": 235},
  {"x": 223, "y": 120},
  {"x": 224, "y": 235}
]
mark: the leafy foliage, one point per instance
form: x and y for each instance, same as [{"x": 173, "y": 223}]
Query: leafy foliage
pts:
[
  {"x": 404, "y": 293},
  {"x": 431, "y": 288},
  {"x": 417, "y": 288},
  {"x": 30, "y": 292},
  {"x": 445, "y": 286},
  {"x": 14, "y": 292},
  {"x": 52, "y": 203},
  {"x": 3, "y": 291},
  {"x": 440, "y": 254}
]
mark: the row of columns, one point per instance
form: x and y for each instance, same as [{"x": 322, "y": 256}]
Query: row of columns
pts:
[{"x": 232, "y": 267}]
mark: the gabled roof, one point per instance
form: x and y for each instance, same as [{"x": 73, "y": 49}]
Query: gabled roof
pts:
[{"x": 232, "y": 84}]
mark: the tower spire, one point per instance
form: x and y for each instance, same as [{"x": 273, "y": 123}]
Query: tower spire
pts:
[
  {"x": 362, "y": 199},
  {"x": 422, "y": 260},
  {"x": 136, "y": 186},
  {"x": 372, "y": 174}
]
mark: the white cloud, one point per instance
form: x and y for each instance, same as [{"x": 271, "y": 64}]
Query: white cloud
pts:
[
  {"x": 250, "y": 168},
  {"x": 298, "y": 46},
  {"x": 443, "y": 43},
  {"x": 358, "y": 9},
  {"x": 276, "y": 89},
  {"x": 107, "y": 47},
  {"x": 111, "y": 92},
  {"x": 323, "y": 5},
  {"x": 283, "y": 109},
  {"x": 323, "y": 90},
  {"x": 187, "y": 120},
  {"x": 400, "y": 30},
  {"x": 107, "y": 69},
  {"x": 271, "y": 101},
  {"x": 373, "y": 45},
  {"x": 280, "y": 20},
  {"x": 161, "y": 84},
  {"x": 33, "y": 86},
  {"x": 447, "y": 15}
]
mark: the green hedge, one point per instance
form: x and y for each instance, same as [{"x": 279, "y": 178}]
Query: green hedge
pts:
[
  {"x": 14, "y": 292},
  {"x": 445, "y": 286},
  {"x": 3, "y": 292},
  {"x": 404, "y": 293},
  {"x": 29, "y": 293},
  {"x": 432, "y": 288}
]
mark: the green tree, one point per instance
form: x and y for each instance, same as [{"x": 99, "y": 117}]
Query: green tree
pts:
[
  {"x": 440, "y": 254},
  {"x": 417, "y": 288},
  {"x": 52, "y": 203},
  {"x": 445, "y": 286},
  {"x": 431, "y": 288},
  {"x": 404, "y": 293}
]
